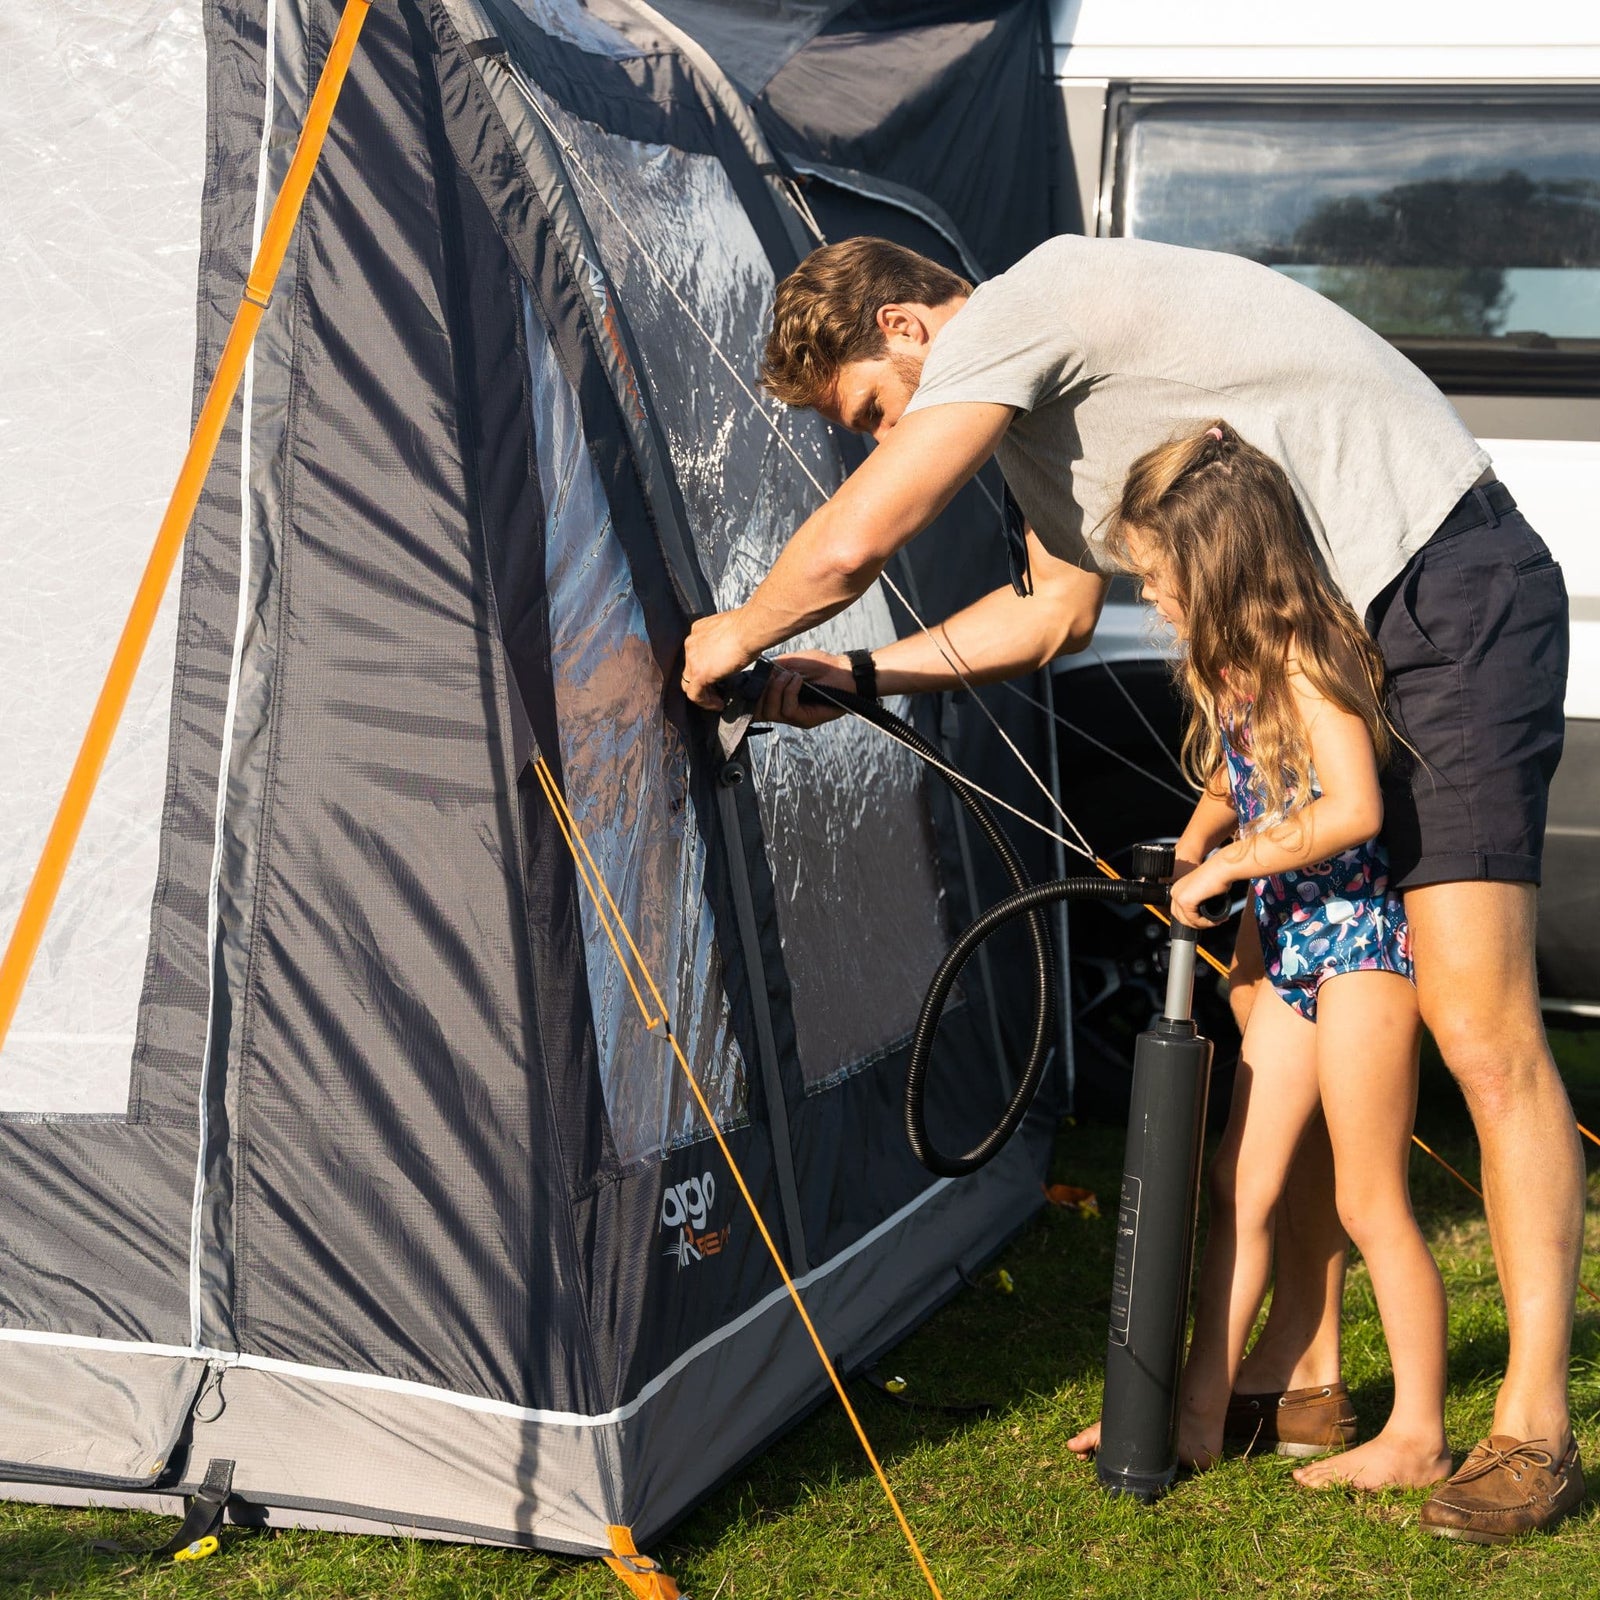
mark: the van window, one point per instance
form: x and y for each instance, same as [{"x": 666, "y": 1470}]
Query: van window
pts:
[{"x": 1467, "y": 233}]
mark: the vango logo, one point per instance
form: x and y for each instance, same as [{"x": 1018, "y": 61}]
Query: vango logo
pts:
[{"x": 686, "y": 1207}]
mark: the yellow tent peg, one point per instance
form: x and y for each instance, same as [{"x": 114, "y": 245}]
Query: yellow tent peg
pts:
[{"x": 643, "y": 1576}]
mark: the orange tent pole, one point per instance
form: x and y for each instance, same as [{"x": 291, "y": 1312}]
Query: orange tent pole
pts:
[{"x": 46, "y": 883}]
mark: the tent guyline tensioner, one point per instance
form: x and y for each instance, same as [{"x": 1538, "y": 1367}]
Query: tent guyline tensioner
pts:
[{"x": 1159, "y": 1203}]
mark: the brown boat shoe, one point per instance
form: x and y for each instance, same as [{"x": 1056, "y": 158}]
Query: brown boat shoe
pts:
[
  {"x": 1504, "y": 1488},
  {"x": 1293, "y": 1422}
]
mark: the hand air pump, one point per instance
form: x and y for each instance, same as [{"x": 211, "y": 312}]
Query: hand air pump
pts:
[
  {"x": 1159, "y": 1203},
  {"x": 1156, "y": 1217}
]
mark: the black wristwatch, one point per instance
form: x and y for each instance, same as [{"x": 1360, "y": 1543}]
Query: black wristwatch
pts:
[{"x": 865, "y": 671}]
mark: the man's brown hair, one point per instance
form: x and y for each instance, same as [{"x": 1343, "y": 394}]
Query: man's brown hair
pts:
[{"x": 826, "y": 312}]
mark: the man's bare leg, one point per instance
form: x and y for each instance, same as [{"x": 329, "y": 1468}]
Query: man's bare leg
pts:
[
  {"x": 1473, "y": 943},
  {"x": 1298, "y": 1346}
]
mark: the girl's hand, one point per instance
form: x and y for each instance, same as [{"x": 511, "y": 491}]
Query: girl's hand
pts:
[{"x": 1207, "y": 881}]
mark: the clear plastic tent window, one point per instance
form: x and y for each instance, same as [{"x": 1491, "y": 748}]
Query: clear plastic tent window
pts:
[
  {"x": 626, "y": 779},
  {"x": 848, "y": 833}
]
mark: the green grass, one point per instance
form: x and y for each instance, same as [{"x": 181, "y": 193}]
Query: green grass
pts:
[{"x": 999, "y": 1506}]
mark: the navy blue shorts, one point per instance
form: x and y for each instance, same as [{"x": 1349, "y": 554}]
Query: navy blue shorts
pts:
[{"x": 1474, "y": 637}]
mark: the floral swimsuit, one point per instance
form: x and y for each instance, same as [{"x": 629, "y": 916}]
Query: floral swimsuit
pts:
[{"x": 1316, "y": 922}]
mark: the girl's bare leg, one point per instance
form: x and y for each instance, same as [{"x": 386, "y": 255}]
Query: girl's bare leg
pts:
[
  {"x": 1274, "y": 1100},
  {"x": 1366, "y": 1048},
  {"x": 1298, "y": 1346},
  {"x": 1299, "y": 1343}
]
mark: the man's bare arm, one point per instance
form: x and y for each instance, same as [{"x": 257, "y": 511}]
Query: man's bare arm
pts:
[
  {"x": 1001, "y": 635},
  {"x": 838, "y": 552}
]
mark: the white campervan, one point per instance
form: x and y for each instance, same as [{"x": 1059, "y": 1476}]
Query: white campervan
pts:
[{"x": 1435, "y": 169}]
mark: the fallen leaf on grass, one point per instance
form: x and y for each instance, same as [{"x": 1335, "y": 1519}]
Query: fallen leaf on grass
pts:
[{"x": 1071, "y": 1198}]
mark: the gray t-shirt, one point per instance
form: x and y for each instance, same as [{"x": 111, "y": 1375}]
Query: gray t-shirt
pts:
[{"x": 1108, "y": 347}]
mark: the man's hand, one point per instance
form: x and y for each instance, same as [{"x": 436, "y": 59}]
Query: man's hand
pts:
[
  {"x": 715, "y": 649},
  {"x": 781, "y": 702},
  {"x": 1210, "y": 879}
]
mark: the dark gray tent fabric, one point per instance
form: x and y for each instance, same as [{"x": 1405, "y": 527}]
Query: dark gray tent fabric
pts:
[
  {"x": 939, "y": 100},
  {"x": 753, "y": 40},
  {"x": 407, "y": 1186}
]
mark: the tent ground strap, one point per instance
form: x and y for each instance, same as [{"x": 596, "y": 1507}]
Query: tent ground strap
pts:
[{"x": 196, "y": 1535}]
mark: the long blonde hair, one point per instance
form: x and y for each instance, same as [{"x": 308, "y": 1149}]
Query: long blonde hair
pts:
[{"x": 1223, "y": 517}]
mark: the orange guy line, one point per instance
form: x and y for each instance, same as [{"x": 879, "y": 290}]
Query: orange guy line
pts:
[
  {"x": 547, "y": 783},
  {"x": 569, "y": 830}
]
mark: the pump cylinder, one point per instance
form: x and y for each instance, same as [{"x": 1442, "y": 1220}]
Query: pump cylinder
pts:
[{"x": 1156, "y": 1218}]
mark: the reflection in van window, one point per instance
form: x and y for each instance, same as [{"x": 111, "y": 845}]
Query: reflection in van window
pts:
[{"x": 1426, "y": 221}]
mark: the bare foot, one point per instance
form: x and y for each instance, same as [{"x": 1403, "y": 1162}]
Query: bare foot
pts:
[
  {"x": 1086, "y": 1443},
  {"x": 1385, "y": 1461}
]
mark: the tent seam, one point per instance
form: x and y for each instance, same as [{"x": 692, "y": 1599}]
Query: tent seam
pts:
[
  {"x": 683, "y": 570},
  {"x": 206, "y": 353},
  {"x": 609, "y": 1170},
  {"x": 519, "y": 887},
  {"x": 269, "y": 783},
  {"x": 213, "y": 940}
]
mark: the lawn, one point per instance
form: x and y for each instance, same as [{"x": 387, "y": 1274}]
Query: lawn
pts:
[{"x": 999, "y": 1506}]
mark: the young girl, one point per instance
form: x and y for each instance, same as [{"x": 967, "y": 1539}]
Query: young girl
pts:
[{"x": 1285, "y": 736}]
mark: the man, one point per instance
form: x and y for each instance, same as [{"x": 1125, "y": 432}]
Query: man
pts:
[{"x": 1066, "y": 368}]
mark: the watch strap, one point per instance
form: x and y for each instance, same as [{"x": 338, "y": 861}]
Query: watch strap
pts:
[{"x": 865, "y": 671}]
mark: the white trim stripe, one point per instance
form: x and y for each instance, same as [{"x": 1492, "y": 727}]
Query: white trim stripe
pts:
[
  {"x": 81, "y": 1341},
  {"x": 473, "y": 1402},
  {"x": 230, "y": 714}
]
